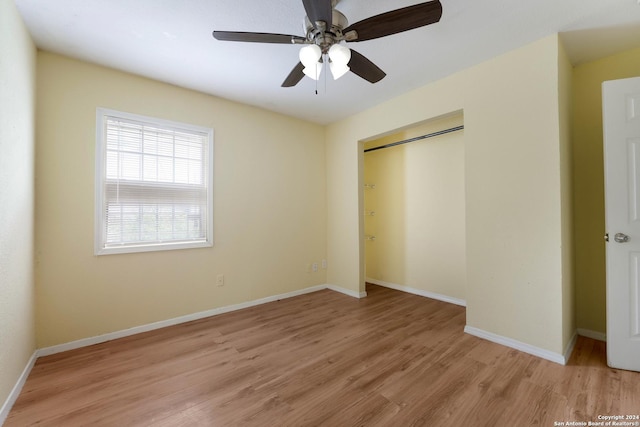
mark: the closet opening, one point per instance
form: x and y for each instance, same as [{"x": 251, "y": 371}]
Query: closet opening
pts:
[{"x": 414, "y": 209}]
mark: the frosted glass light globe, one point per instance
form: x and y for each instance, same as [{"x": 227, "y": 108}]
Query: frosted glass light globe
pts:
[
  {"x": 338, "y": 70},
  {"x": 340, "y": 54},
  {"x": 313, "y": 71},
  {"x": 310, "y": 55}
]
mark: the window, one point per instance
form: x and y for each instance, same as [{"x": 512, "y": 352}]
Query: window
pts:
[{"x": 153, "y": 184}]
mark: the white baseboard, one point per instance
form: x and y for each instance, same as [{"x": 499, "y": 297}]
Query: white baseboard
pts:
[
  {"x": 15, "y": 392},
  {"x": 592, "y": 334},
  {"x": 346, "y": 291},
  {"x": 419, "y": 292},
  {"x": 518, "y": 345},
  {"x": 47, "y": 351},
  {"x": 85, "y": 342}
]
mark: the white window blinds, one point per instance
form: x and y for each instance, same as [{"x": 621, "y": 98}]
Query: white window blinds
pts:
[{"x": 154, "y": 184}]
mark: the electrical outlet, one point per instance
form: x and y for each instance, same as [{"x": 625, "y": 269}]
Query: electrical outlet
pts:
[
  {"x": 220, "y": 280},
  {"x": 315, "y": 267},
  {"x": 324, "y": 264}
]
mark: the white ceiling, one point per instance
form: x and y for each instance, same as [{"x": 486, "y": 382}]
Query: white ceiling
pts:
[{"x": 170, "y": 41}]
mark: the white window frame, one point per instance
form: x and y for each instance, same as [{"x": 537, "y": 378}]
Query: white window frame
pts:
[{"x": 100, "y": 177}]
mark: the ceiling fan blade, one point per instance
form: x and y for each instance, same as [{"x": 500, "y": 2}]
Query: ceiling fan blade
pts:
[
  {"x": 294, "y": 76},
  {"x": 236, "y": 36},
  {"x": 319, "y": 10},
  {"x": 396, "y": 21},
  {"x": 364, "y": 68}
]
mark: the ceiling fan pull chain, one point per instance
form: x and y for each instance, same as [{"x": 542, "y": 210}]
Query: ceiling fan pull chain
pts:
[{"x": 317, "y": 77}]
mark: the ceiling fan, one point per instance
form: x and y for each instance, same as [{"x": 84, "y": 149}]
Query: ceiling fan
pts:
[{"x": 326, "y": 28}]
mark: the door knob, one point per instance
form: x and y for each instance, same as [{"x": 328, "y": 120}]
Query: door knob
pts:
[{"x": 621, "y": 238}]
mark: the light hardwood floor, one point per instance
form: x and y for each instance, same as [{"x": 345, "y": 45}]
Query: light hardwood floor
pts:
[{"x": 391, "y": 359}]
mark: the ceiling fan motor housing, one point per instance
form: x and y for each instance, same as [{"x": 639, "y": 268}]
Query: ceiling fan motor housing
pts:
[{"x": 326, "y": 37}]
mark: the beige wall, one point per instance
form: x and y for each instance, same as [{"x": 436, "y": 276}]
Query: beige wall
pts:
[
  {"x": 513, "y": 189},
  {"x": 269, "y": 214},
  {"x": 589, "y": 183},
  {"x": 419, "y": 221},
  {"x": 17, "y": 111}
]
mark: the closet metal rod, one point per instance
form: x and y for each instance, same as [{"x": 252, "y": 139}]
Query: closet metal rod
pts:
[{"x": 417, "y": 138}]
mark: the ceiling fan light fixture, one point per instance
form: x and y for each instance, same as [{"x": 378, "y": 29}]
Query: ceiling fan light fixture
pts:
[
  {"x": 313, "y": 71},
  {"x": 310, "y": 55},
  {"x": 339, "y": 54},
  {"x": 338, "y": 70}
]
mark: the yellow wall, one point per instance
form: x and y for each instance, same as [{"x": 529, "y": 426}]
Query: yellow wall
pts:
[
  {"x": 513, "y": 189},
  {"x": 589, "y": 226},
  {"x": 269, "y": 214},
  {"x": 17, "y": 113},
  {"x": 419, "y": 221},
  {"x": 565, "y": 114}
]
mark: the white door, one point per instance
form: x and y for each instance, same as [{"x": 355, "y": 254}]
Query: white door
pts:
[{"x": 621, "y": 110}]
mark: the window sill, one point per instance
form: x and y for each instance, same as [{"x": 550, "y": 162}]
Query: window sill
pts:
[{"x": 151, "y": 248}]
